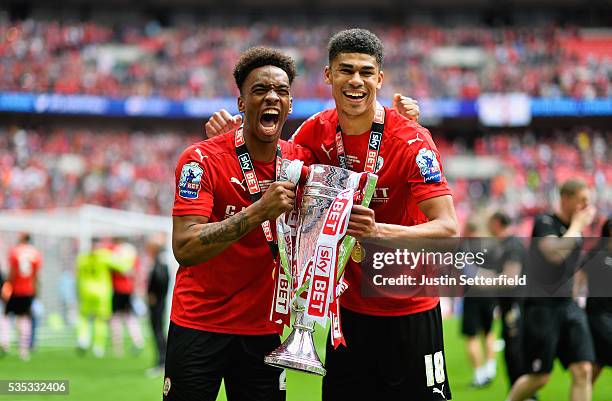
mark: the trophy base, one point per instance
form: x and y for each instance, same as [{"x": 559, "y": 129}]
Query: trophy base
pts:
[{"x": 285, "y": 361}]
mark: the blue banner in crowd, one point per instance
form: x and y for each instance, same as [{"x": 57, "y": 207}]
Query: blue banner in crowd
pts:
[
  {"x": 570, "y": 107},
  {"x": 200, "y": 108}
]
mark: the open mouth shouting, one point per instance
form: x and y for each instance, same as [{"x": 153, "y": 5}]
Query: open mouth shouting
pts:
[
  {"x": 269, "y": 121},
  {"x": 354, "y": 95}
]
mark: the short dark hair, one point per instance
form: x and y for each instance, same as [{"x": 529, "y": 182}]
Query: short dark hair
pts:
[
  {"x": 572, "y": 186},
  {"x": 502, "y": 217},
  {"x": 356, "y": 41},
  {"x": 25, "y": 238},
  {"x": 260, "y": 56}
]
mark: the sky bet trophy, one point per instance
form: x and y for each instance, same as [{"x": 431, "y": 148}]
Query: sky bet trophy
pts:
[{"x": 313, "y": 258}]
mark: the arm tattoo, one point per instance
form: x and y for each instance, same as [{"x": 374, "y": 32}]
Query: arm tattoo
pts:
[{"x": 224, "y": 231}]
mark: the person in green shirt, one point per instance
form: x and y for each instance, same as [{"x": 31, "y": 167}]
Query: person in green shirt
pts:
[{"x": 94, "y": 290}]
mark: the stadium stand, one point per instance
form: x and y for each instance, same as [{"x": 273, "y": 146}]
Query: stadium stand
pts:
[{"x": 191, "y": 61}]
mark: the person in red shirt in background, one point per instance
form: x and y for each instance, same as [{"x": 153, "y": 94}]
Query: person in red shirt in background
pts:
[
  {"x": 124, "y": 254},
  {"x": 24, "y": 263}
]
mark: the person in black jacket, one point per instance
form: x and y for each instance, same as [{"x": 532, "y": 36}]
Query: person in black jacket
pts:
[
  {"x": 554, "y": 325},
  {"x": 157, "y": 289}
]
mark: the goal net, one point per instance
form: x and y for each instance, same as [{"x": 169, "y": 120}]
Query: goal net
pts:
[{"x": 60, "y": 235}]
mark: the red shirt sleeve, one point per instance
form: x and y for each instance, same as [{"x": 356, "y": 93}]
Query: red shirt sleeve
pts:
[
  {"x": 194, "y": 180},
  {"x": 304, "y": 135},
  {"x": 425, "y": 171}
]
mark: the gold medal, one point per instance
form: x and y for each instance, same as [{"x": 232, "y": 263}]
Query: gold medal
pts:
[{"x": 358, "y": 253}]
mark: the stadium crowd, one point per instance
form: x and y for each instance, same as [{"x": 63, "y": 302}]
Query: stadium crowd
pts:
[
  {"x": 60, "y": 167},
  {"x": 191, "y": 61},
  {"x": 63, "y": 167}
]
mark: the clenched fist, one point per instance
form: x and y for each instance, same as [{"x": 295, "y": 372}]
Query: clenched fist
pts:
[
  {"x": 406, "y": 106},
  {"x": 278, "y": 199},
  {"x": 221, "y": 122}
]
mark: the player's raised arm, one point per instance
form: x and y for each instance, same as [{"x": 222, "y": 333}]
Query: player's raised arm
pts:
[
  {"x": 221, "y": 122},
  {"x": 576, "y": 210},
  {"x": 195, "y": 240},
  {"x": 558, "y": 249}
]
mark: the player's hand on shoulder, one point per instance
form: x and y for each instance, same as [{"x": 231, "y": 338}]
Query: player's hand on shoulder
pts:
[
  {"x": 406, "y": 106},
  {"x": 221, "y": 122},
  {"x": 278, "y": 199},
  {"x": 362, "y": 222}
]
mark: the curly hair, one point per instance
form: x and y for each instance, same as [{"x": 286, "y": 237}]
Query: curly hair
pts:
[
  {"x": 260, "y": 56},
  {"x": 356, "y": 41}
]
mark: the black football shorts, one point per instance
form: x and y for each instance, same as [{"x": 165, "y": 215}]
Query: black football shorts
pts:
[
  {"x": 556, "y": 329},
  {"x": 388, "y": 358},
  {"x": 477, "y": 316},
  {"x": 196, "y": 361},
  {"x": 20, "y": 306}
]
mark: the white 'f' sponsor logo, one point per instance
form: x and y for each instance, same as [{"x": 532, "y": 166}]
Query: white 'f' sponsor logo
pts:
[
  {"x": 327, "y": 151},
  {"x": 417, "y": 139},
  {"x": 235, "y": 180},
  {"x": 439, "y": 391}
]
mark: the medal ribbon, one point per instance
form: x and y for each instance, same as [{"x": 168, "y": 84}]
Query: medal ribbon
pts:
[
  {"x": 374, "y": 143},
  {"x": 250, "y": 178}
]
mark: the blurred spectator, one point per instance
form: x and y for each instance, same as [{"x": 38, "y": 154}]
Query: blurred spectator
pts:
[
  {"x": 157, "y": 290},
  {"x": 477, "y": 322}
]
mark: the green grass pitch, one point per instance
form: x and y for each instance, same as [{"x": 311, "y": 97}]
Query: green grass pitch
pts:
[{"x": 114, "y": 379}]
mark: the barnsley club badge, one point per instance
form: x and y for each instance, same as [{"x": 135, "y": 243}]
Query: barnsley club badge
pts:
[{"x": 190, "y": 181}]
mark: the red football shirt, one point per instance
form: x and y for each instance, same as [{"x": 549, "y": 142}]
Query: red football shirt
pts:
[
  {"x": 409, "y": 171},
  {"x": 123, "y": 283},
  {"x": 231, "y": 293},
  {"x": 24, "y": 262}
]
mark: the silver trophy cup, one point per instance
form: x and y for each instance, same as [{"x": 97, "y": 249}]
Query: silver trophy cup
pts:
[{"x": 324, "y": 183}]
